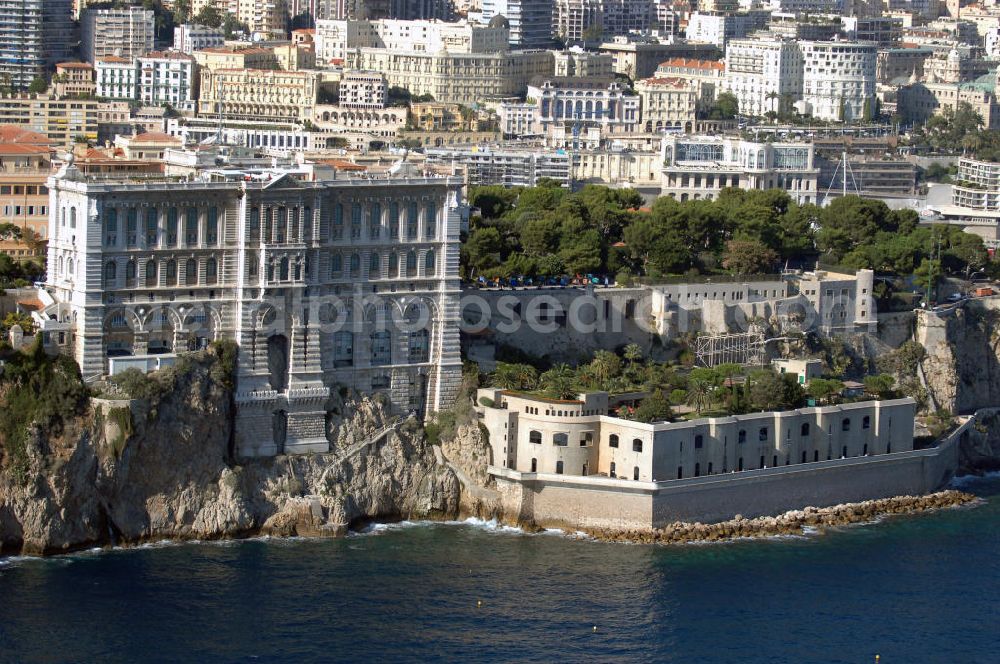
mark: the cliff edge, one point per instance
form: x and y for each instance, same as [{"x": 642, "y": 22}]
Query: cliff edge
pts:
[{"x": 81, "y": 472}]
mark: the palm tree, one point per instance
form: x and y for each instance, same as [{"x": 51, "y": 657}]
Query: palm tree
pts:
[
  {"x": 559, "y": 382},
  {"x": 604, "y": 367},
  {"x": 633, "y": 353},
  {"x": 699, "y": 394}
]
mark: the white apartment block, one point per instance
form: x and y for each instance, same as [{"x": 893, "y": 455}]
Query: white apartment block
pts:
[
  {"x": 336, "y": 39},
  {"x": 589, "y": 102},
  {"x": 667, "y": 103},
  {"x": 505, "y": 167},
  {"x": 116, "y": 78},
  {"x": 530, "y": 21},
  {"x": 363, "y": 89},
  {"x": 719, "y": 28},
  {"x": 168, "y": 77},
  {"x": 576, "y": 20},
  {"x": 764, "y": 74},
  {"x": 324, "y": 284},
  {"x": 577, "y": 62},
  {"x": 700, "y": 167},
  {"x": 518, "y": 119},
  {"x": 456, "y": 78},
  {"x": 126, "y": 33},
  {"x": 191, "y": 37},
  {"x": 838, "y": 81}
]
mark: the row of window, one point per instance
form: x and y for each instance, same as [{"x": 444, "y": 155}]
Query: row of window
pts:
[
  {"x": 152, "y": 272},
  {"x": 417, "y": 348},
  {"x": 152, "y": 234},
  {"x": 24, "y": 190},
  {"x": 30, "y": 210}
]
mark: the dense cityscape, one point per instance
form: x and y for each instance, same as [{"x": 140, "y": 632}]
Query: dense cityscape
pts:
[{"x": 645, "y": 271}]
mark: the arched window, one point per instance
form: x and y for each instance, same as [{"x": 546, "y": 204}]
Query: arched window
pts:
[
  {"x": 191, "y": 272},
  {"x": 338, "y": 221},
  {"x": 866, "y": 422},
  {"x": 283, "y": 269},
  {"x": 697, "y": 470},
  {"x": 171, "y": 273},
  {"x": 429, "y": 263},
  {"x": 343, "y": 349},
  {"x": 742, "y": 436},
  {"x": 307, "y": 225},
  {"x": 336, "y": 265},
  {"x": 637, "y": 445},
  {"x": 355, "y": 265},
  {"x": 560, "y": 439},
  {"x": 803, "y": 456},
  {"x": 411, "y": 263},
  {"x": 534, "y": 465},
  {"x": 151, "y": 273},
  {"x": 559, "y": 467},
  {"x": 72, "y": 217},
  {"x": 130, "y": 273},
  {"x": 699, "y": 441},
  {"x": 762, "y": 435},
  {"x": 611, "y": 470},
  {"x": 253, "y": 265},
  {"x": 110, "y": 274},
  {"x": 843, "y": 453},
  {"x": 805, "y": 429},
  {"x": 211, "y": 271},
  {"x": 680, "y": 472},
  {"x": 393, "y": 265},
  {"x": 613, "y": 440},
  {"x": 374, "y": 266},
  {"x": 845, "y": 424},
  {"x": 535, "y": 437},
  {"x": 381, "y": 348}
]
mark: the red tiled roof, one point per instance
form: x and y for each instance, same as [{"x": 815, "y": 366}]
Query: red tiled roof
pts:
[
  {"x": 692, "y": 63},
  {"x": 11, "y": 133},
  {"x": 74, "y": 65},
  {"x": 23, "y": 148}
]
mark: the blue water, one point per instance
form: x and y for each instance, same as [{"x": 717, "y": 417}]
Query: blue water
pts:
[{"x": 911, "y": 589}]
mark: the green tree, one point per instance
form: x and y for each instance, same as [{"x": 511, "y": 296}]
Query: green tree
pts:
[
  {"x": 559, "y": 382},
  {"x": 605, "y": 366},
  {"x": 209, "y": 15},
  {"x": 482, "y": 250},
  {"x": 38, "y": 85},
  {"x": 881, "y": 385},
  {"x": 823, "y": 389},
  {"x": 726, "y": 107},
  {"x": 654, "y": 408},
  {"x": 514, "y": 376},
  {"x": 748, "y": 257}
]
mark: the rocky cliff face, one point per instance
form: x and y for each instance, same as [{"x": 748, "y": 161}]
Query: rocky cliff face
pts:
[
  {"x": 159, "y": 468},
  {"x": 962, "y": 365}
]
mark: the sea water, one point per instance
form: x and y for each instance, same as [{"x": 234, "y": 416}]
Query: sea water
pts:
[{"x": 910, "y": 589}]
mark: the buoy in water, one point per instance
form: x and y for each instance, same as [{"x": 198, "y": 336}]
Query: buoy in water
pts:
[
  {"x": 595, "y": 628},
  {"x": 479, "y": 603}
]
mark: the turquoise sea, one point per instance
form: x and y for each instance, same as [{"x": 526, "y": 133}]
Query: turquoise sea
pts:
[{"x": 911, "y": 589}]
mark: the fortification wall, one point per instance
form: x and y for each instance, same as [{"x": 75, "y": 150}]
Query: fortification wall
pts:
[{"x": 600, "y": 502}]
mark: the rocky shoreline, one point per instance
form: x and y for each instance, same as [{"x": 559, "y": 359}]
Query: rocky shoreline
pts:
[{"x": 790, "y": 523}]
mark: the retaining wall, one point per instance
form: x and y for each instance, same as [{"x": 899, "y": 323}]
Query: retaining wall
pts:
[{"x": 567, "y": 501}]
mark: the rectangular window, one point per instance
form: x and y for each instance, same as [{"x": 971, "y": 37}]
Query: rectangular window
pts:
[
  {"x": 152, "y": 225},
  {"x": 212, "y": 232},
  {"x": 191, "y": 227},
  {"x": 412, "y": 216},
  {"x": 171, "y": 226}
]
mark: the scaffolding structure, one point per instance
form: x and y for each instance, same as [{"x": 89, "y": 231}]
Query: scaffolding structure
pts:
[{"x": 743, "y": 348}]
